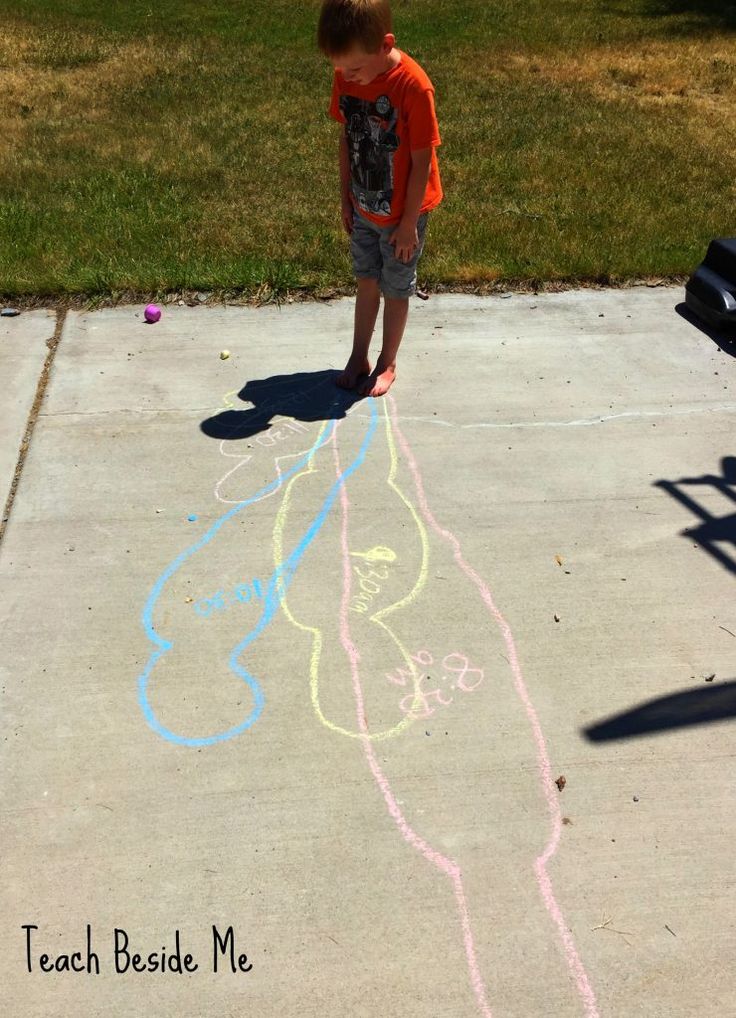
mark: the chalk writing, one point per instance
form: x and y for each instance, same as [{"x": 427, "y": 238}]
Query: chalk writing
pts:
[
  {"x": 379, "y": 553},
  {"x": 461, "y": 675},
  {"x": 242, "y": 593},
  {"x": 369, "y": 588},
  {"x": 274, "y": 435}
]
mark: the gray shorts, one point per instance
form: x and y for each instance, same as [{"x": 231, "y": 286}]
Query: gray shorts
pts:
[{"x": 375, "y": 258}]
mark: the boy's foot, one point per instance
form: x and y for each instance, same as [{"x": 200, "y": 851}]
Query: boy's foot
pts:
[
  {"x": 354, "y": 370},
  {"x": 379, "y": 382}
]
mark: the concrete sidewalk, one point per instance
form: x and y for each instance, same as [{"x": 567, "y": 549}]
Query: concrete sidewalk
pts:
[{"x": 311, "y": 668}]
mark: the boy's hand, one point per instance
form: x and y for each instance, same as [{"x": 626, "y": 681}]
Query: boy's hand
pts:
[
  {"x": 347, "y": 216},
  {"x": 406, "y": 240}
]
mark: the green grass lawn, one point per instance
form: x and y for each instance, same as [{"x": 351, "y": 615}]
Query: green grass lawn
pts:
[{"x": 153, "y": 147}]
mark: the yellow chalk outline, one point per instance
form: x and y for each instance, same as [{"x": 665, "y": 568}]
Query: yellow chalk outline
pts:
[
  {"x": 227, "y": 405},
  {"x": 316, "y": 633}
]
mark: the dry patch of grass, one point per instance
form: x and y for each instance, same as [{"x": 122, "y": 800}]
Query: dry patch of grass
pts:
[
  {"x": 696, "y": 76},
  {"x": 476, "y": 272},
  {"x": 78, "y": 88},
  {"x": 65, "y": 78}
]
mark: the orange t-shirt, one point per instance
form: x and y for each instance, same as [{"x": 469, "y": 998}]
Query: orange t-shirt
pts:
[{"x": 384, "y": 121}]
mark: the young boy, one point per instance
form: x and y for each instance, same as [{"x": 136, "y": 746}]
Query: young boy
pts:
[{"x": 389, "y": 176}]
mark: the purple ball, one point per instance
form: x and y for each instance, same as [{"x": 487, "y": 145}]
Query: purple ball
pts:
[{"x": 152, "y": 313}]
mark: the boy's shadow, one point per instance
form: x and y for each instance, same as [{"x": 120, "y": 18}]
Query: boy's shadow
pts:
[{"x": 305, "y": 396}]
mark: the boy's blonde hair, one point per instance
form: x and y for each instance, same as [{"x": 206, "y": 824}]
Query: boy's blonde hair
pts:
[{"x": 344, "y": 24}]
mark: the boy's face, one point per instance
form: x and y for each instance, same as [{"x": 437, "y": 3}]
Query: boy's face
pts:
[{"x": 360, "y": 67}]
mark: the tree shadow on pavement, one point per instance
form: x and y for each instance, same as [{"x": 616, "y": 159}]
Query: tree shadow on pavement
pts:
[
  {"x": 677, "y": 710},
  {"x": 303, "y": 396},
  {"x": 713, "y": 530}
]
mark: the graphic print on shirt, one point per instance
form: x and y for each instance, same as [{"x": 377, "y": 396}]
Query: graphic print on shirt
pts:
[{"x": 372, "y": 141}]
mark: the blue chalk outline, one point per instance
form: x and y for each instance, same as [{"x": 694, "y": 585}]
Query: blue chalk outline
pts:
[{"x": 275, "y": 592}]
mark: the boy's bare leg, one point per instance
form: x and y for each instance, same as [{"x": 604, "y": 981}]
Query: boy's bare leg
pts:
[
  {"x": 395, "y": 313},
  {"x": 367, "y": 303}
]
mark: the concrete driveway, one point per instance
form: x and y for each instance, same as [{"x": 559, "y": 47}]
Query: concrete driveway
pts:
[{"x": 417, "y": 706}]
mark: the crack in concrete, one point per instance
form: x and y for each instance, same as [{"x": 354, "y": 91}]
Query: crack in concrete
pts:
[
  {"x": 130, "y": 410},
  {"x": 582, "y": 422},
  {"x": 725, "y": 407},
  {"x": 41, "y": 387}
]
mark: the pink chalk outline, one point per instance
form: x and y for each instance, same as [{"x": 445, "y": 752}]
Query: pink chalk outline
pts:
[
  {"x": 545, "y": 771},
  {"x": 442, "y": 862},
  {"x": 447, "y": 866}
]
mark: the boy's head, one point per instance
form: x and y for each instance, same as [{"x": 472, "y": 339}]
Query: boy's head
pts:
[{"x": 356, "y": 37}]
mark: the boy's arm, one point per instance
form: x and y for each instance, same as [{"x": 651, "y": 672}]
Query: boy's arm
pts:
[{"x": 416, "y": 187}]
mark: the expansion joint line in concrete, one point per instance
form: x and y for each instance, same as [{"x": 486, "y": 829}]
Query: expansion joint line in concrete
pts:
[{"x": 41, "y": 387}]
